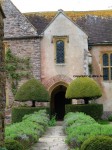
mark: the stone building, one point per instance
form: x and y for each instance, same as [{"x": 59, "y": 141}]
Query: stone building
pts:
[
  {"x": 2, "y": 78},
  {"x": 62, "y": 45}
]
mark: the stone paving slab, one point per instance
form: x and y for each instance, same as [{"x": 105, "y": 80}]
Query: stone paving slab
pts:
[{"x": 54, "y": 139}]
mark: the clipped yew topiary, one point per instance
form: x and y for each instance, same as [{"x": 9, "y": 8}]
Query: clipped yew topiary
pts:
[
  {"x": 33, "y": 90},
  {"x": 83, "y": 88},
  {"x": 97, "y": 143}
]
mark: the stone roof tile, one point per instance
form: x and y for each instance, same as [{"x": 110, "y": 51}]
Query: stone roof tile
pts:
[{"x": 97, "y": 24}]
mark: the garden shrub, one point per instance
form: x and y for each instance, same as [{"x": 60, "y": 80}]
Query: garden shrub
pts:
[
  {"x": 29, "y": 130},
  {"x": 13, "y": 145},
  {"x": 32, "y": 90},
  {"x": 94, "y": 110},
  {"x": 79, "y": 127},
  {"x": 19, "y": 112},
  {"x": 77, "y": 118},
  {"x": 83, "y": 88},
  {"x": 52, "y": 121},
  {"x": 3, "y": 148},
  {"x": 97, "y": 143}
]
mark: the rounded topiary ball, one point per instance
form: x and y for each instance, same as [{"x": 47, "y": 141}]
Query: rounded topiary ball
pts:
[
  {"x": 83, "y": 88},
  {"x": 97, "y": 143},
  {"x": 32, "y": 90}
]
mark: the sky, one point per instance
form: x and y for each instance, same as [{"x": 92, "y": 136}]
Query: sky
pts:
[{"x": 66, "y": 5}]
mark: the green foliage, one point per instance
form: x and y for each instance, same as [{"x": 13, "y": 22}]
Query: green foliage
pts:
[
  {"x": 29, "y": 130},
  {"x": 97, "y": 143},
  {"x": 110, "y": 118},
  {"x": 19, "y": 112},
  {"x": 77, "y": 118},
  {"x": 52, "y": 121},
  {"x": 80, "y": 127},
  {"x": 13, "y": 145},
  {"x": 103, "y": 122},
  {"x": 32, "y": 90},
  {"x": 83, "y": 88},
  {"x": 94, "y": 110},
  {"x": 16, "y": 68},
  {"x": 2, "y": 148}
]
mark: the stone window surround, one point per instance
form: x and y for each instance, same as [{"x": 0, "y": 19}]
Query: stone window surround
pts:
[
  {"x": 54, "y": 40},
  {"x": 109, "y": 66}
]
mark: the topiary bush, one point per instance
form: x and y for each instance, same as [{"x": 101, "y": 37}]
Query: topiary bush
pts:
[
  {"x": 83, "y": 88},
  {"x": 94, "y": 110},
  {"x": 13, "y": 145},
  {"x": 19, "y": 112},
  {"x": 97, "y": 143},
  {"x": 33, "y": 90}
]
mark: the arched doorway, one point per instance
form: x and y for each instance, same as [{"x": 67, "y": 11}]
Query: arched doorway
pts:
[{"x": 58, "y": 102}]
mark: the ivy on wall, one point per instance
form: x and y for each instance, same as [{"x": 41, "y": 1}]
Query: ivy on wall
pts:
[{"x": 16, "y": 68}]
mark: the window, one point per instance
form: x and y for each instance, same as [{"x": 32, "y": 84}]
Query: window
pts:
[
  {"x": 59, "y": 51},
  {"x": 107, "y": 66}
]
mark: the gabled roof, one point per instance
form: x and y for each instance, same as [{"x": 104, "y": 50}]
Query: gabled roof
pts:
[
  {"x": 99, "y": 29},
  {"x": 97, "y": 24},
  {"x": 16, "y": 25},
  {"x": 61, "y": 12}
]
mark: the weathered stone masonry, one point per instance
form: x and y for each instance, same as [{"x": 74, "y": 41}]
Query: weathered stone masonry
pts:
[
  {"x": 2, "y": 79},
  {"x": 23, "y": 40},
  {"x": 25, "y": 48}
]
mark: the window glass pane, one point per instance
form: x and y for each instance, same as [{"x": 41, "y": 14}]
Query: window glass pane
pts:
[
  {"x": 110, "y": 59},
  {"x": 105, "y": 60},
  {"x": 60, "y": 52},
  {"x": 111, "y": 73},
  {"x": 105, "y": 74}
]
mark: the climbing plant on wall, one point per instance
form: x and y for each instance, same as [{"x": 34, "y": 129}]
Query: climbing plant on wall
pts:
[{"x": 16, "y": 69}]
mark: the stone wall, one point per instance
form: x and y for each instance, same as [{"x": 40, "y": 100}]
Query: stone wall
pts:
[
  {"x": 106, "y": 86},
  {"x": 2, "y": 81},
  {"x": 24, "y": 48},
  {"x": 75, "y": 42}
]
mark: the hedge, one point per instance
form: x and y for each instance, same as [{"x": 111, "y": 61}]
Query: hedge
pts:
[
  {"x": 97, "y": 143},
  {"x": 19, "y": 112},
  {"x": 79, "y": 127},
  {"x": 27, "y": 132},
  {"x": 13, "y": 145},
  {"x": 94, "y": 110}
]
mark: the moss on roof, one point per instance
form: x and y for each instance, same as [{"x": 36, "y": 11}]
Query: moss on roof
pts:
[
  {"x": 94, "y": 23},
  {"x": 72, "y": 14}
]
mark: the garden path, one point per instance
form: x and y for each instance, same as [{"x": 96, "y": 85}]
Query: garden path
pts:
[{"x": 54, "y": 139}]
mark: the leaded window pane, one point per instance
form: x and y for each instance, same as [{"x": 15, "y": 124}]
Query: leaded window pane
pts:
[
  {"x": 110, "y": 59},
  {"x": 60, "y": 52},
  {"x": 105, "y": 73},
  {"x": 111, "y": 73},
  {"x": 105, "y": 60}
]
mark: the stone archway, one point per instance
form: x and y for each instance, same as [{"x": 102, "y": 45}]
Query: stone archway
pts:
[
  {"x": 58, "y": 101},
  {"x": 57, "y": 88},
  {"x": 53, "y": 81}
]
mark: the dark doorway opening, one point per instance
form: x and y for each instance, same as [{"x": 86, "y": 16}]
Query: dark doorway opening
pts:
[{"x": 58, "y": 102}]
